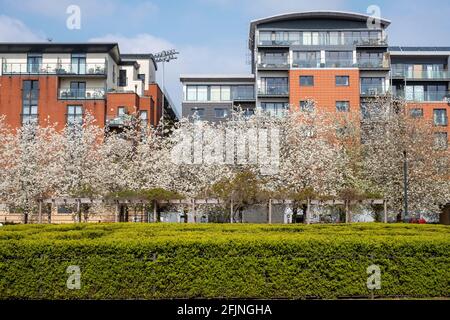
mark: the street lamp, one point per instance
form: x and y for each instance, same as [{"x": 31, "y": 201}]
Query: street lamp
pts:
[{"x": 164, "y": 56}]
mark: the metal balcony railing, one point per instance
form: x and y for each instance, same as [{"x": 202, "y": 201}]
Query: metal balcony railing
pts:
[
  {"x": 82, "y": 94},
  {"x": 372, "y": 63},
  {"x": 339, "y": 63},
  {"x": 324, "y": 40},
  {"x": 274, "y": 62},
  {"x": 297, "y": 63},
  {"x": 54, "y": 69}
]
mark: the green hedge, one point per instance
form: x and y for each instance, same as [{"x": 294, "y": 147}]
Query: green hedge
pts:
[{"x": 155, "y": 261}]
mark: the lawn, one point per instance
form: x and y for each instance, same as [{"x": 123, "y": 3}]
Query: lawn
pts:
[{"x": 158, "y": 261}]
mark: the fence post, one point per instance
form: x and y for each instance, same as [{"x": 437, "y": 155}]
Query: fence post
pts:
[
  {"x": 308, "y": 210},
  {"x": 231, "y": 211},
  {"x": 155, "y": 213},
  {"x": 270, "y": 211},
  {"x": 346, "y": 212},
  {"x": 40, "y": 211},
  {"x": 385, "y": 211}
]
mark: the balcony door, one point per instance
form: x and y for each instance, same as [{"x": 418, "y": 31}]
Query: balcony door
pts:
[
  {"x": 78, "y": 89},
  {"x": 34, "y": 63},
  {"x": 78, "y": 62}
]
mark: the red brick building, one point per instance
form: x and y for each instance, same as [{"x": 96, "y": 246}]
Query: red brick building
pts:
[{"x": 59, "y": 83}]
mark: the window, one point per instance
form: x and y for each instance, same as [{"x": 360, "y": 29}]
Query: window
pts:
[
  {"x": 192, "y": 93},
  {"x": 342, "y": 106},
  {"x": 306, "y": 81},
  {"x": 215, "y": 93},
  {"x": 122, "y": 78},
  {"x": 342, "y": 81},
  {"x": 306, "y": 105},
  {"x": 221, "y": 112},
  {"x": 440, "y": 117},
  {"x": 78, "y": 89},
  {"x": 243, "y": 92},
  {"x": 141, "y": 76},
  {"x": 372, "y": 86},
  {"x": 78, "y": 63},
  {"x": 441, "y": 140},
  {"x": 339, "y": 59},
  {"x": 306, "y": 59},
  {"x": 275, "y": 108},
  {"x": 198, "y": 112},
  {"x": 34, "y": 63},
  {"x": 143, "y": 116},
  {"x": 30, "y": 96},
  {"x": 121, "y": 112},
  {"x": 202, "y": 93},
  {"x": 416, "y": 113},
  {"x": 226, "y": 93},
  {"x": 274, "y": 86},
  {"x": 74, "y": 115}
]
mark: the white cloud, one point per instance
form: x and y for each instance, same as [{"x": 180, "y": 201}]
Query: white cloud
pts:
[{"x": 14, "y": 30}]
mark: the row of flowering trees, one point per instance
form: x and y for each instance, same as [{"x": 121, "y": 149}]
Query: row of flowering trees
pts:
[{"x": 303, "y": 155}]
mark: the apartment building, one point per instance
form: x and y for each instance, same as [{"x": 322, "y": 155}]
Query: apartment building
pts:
[
  {"x": 58, "y": 83},
  {"x": 338, "y": 60},
  {"x": 213, "y": 97}
]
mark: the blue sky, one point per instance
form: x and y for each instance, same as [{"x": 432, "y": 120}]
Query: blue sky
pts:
[{"x": 211, "y": 35}]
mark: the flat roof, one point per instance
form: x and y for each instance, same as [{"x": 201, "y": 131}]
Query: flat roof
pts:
[
  {"x": 400, "y": 50},
  {"x": 319, "y": 14},
  {"x": 61, "y": 47},
  {"x": 221, "y": 77}
]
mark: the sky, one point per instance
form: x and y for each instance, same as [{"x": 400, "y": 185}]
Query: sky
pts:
[{"x": 211, "y": 35}]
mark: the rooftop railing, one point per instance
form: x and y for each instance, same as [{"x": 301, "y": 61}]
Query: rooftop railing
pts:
[
  {"x": 341, "y": 40},
  {"x": 435, "y": 96},
  {"x": 421, "y": 75}
]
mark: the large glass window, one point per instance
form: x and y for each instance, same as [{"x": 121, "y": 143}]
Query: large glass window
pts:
[
  {"x": 337, "y": 59},
  {"x": 306, "y": 59},
  {"x": 34, "y": 63},
  {"x": 221, "y": 112},
  {"x": 78, "y": 63},
  {"x": 226, "y": 93},
  {"x": 372, "y": 86},
  {"x": 243, "y": 92},
  {"x": 74, "y": 115},
  {"x": 275, "y": 108},
  {"x": 215, "y": 93},
  {"x": 342, "y": 81},
  {"x": 198, "y": 113},
  {"x": 440, "y": 117},
  {"x": 30, "y": 97},
  {"x": 202, "y": 93},
  {"x": 191, "y": 93},
  {"x": 78, "y": 89},
  {"x": 274, "y": 86}
]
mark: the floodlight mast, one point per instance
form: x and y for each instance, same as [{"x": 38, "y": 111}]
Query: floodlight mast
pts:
[{"x": 164, "y": 56}]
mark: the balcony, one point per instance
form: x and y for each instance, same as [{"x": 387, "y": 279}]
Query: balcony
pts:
[
  {"x": 373, "y": 63},
  {"x": 125, "y": 120},
  {"x": 425, "y": 96},
  {"x": 274, "y": 91},
  {"x": 60, "y": 69},
  {"x": 420, "y": 75},
  {"x": 278, "y": 63},
  {"x": 372, "y": 90},
  {"x": 306, "y": 64},
  {"x": 339, "y": 63},
  {"x": 82, "y": 94}
]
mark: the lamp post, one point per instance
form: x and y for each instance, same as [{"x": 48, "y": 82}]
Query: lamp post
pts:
[
  {"x": 164, "y": 56},
  {"x": 405, "y": 184}
]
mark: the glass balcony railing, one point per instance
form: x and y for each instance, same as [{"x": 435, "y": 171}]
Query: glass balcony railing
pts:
[
  {"x": 82, "y": 94},
  {"x": 289, "y": 38},
  {"x": 306, "y": 64},
  {"x": 274, "y": 90},
  {"x": 421, "y": 75},
  {"x": 339, "y": 63},
  {"x": 372, "y": 63},
  {"x": 372, "y": 90},
  {"x": 267, "y": 62},
  {"x": 435, "y": 96},
  {"x": 54, "y": 68}
]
